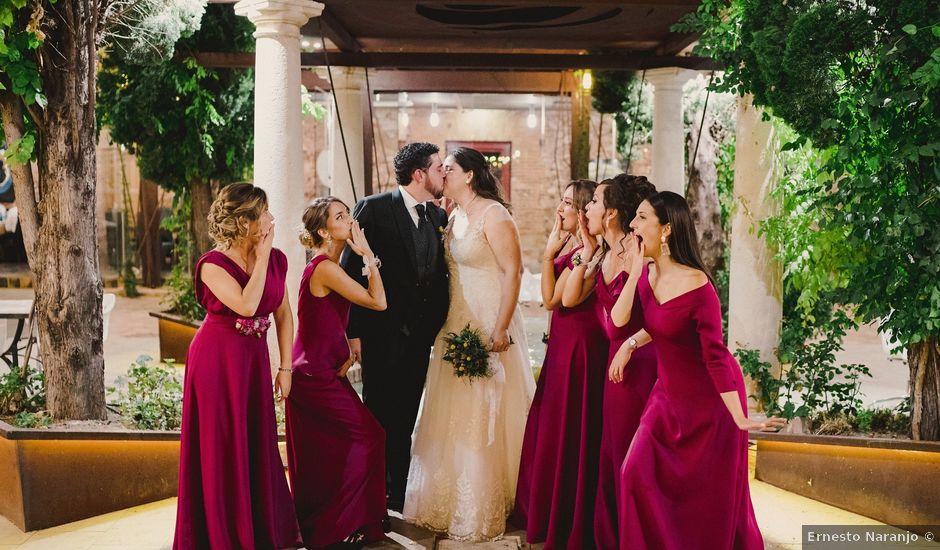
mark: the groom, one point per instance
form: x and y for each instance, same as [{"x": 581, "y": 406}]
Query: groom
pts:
[{"x": 405, "y": 231}]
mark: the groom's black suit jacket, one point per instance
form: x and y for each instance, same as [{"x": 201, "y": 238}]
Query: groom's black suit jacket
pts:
[{"x": 416, "y": 310}]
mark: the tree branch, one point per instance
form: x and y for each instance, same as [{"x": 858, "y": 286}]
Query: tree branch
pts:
[{"x": 11, "y": 113}]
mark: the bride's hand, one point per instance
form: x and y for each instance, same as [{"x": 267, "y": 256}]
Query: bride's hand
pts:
[{"x": 500, "y": 340}]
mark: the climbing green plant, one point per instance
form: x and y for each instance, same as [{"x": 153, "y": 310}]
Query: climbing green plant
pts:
[{"x": 860, "y": 84}]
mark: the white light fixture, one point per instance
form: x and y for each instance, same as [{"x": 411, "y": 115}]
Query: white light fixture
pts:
[
  {"x": 318, "y": 45},
  {"x": 305, "y": 44},
  {"x": 587, "y": 81},
  {"x": 531, "y": 121},
  {"x": 434, "y": 119}
]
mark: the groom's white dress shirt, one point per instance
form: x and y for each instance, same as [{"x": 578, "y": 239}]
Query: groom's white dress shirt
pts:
[{"x": 410, "y": 204}]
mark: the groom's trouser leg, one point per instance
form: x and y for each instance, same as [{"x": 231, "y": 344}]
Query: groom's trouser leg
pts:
[{"x": 393, "y": 380}]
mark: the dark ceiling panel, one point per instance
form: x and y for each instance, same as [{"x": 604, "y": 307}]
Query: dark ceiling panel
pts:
[{"x": 520, "y": 25}]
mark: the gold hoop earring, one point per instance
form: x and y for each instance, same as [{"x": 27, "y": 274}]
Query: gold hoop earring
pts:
[{"x": 664, "y": 246}]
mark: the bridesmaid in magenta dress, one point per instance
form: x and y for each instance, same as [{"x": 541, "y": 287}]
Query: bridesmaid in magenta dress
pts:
[
  {"x": 558, "y": 472},
  {"x": 611, "y": 209},
  {"x": 684, "y": 483},
  {"x": 335, "y": 447},
  {"x": 232, "y": 490}
]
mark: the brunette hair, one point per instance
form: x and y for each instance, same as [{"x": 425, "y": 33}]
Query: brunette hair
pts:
[
  {"x": 483, "y": 183},
  {"x": 672, "y": 208},
  {"x": 624, "y": 194},
  {"x": 314, "y": 219},
  {"x": 583, "y": 191}
]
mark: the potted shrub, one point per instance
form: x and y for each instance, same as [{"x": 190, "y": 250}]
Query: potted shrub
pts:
[{"x": 55, "y": 474}]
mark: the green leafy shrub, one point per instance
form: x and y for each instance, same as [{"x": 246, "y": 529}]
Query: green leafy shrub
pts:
[
  {"x": 150, "y": 397},
  {"x": 22, "y": 390},
  {"x": 27, "y": 419}
]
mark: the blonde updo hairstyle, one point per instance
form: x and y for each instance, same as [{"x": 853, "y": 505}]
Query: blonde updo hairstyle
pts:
[
  {"x": 315, "y": 218},
  {"x": 236, "y": 202}
]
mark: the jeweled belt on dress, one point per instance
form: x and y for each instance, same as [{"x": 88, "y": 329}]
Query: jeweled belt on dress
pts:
[{"x": 252, "y": 326}]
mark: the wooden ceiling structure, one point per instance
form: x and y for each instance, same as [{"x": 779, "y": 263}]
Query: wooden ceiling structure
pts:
[{"x": 498, "y": 46}]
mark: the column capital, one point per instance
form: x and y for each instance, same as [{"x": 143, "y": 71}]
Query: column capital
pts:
[
  {"x": 278, "y": 17},
  {"x": 669, "y": 77}
]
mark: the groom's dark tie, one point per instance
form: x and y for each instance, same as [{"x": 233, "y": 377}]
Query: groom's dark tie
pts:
[
  {"x": 422, "y": 219},
  {"x": 425, "y": 245}
]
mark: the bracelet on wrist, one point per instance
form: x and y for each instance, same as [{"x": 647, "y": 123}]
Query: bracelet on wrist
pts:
[
  {"x": 368, "y": 263},
  {"x": 285, "y": 369}
]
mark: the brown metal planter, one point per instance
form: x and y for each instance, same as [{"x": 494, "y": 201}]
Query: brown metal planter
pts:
[
  {"x": 51, "y": 477},
  {"x": 892, "y": 481},
  {"x": 176, "y": 333}
]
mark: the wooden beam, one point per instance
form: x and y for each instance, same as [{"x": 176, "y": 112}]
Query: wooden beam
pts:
[
  {"x": 334, "y": 29},
  {"x": 675, "y": 42},
  {"x": 465, "y": 82},
  {"x": 450, "y": 61}
]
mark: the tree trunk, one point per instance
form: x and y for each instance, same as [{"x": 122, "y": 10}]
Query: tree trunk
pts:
[
  {"x": 201, "y": 195},
  {"x": 702, "y": 193},
  {"x": 148, "y": 235},
  {"x": 924, "y": 361},
  {"x": 58, "y": 214}
]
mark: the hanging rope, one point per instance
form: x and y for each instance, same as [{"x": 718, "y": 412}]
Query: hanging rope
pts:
[
  {"x": 339, "y": 119},
  {"x": 701, "y": 125},
  {"x": 636, "y": 112},
  {"x": 372, "y": 124}
]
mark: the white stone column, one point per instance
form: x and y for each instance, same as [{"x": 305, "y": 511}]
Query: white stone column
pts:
[
  {"x": 348, "y": 87},
  {"x": 668, "y": 171},
  {"x": 278, "y": 155},
  {"x": 755, "y": 307}
]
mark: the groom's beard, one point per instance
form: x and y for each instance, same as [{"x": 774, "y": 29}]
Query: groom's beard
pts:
[{"x": 436, "y": 193}]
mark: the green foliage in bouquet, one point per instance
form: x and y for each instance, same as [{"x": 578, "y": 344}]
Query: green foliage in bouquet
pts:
[{"x": 467, "y": 353}]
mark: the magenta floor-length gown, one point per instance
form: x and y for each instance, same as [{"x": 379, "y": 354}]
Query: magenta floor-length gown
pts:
[
  {"x": 558, "y": 472},
  {"x": 232, "y": 490},
  {"x": 684, "y": 483},
  {"x": 623, "y": 405},
  {"x": 335, "y": 447}
]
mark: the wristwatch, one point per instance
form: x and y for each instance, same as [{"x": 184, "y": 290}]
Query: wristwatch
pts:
[{"x": 632, "y": 342}]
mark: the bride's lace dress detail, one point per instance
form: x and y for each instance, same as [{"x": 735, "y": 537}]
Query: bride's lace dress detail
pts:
[{"x": 468, "y": 441}]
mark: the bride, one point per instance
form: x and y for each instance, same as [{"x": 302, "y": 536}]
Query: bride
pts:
[{"x": 468, "y": 441}]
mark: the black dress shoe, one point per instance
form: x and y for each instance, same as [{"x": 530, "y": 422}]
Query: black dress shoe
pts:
[
  {"x": 386, "y": 524},
  {"x": 397, "y": 505}
]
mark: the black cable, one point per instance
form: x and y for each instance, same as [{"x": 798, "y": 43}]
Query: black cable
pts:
[
  {"x": 636, "y": 113},
  {"x": 339, "y": 120},
  {"x": 701, "y": 125}
]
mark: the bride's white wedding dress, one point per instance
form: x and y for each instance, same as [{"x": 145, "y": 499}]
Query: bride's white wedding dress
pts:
[{"x": 468, "y": 441}]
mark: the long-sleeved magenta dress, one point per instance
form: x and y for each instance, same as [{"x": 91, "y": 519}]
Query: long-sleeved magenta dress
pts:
[{"x": 684, "y": 483}]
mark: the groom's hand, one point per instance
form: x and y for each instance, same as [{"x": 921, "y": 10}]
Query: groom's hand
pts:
[{"x": 355, "y": 350}]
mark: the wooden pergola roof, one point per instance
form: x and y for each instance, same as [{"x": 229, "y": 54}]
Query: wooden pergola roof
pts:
[{"x": 494, "y": 45}]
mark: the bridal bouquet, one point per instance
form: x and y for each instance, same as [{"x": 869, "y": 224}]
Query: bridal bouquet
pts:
[{"x": 468, "y": 354}]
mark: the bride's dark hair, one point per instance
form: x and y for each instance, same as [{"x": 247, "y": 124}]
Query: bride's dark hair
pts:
[{"x": 483, "y": 183}]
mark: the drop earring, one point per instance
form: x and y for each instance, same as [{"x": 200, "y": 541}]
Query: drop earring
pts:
[{"x": 665, "y": 246}]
